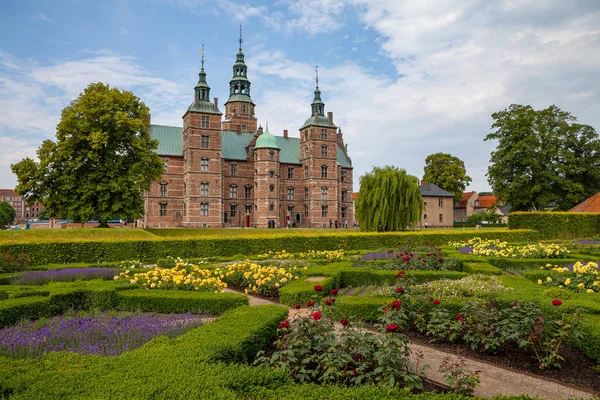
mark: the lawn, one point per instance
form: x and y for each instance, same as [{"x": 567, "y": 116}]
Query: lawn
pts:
[{"x": 70, "y": 235}]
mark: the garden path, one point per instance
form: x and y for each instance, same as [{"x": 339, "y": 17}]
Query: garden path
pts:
[{"x": 495, "y": 380}]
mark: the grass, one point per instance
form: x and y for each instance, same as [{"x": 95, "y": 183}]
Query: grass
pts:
[{"x": 69, "y": 235}]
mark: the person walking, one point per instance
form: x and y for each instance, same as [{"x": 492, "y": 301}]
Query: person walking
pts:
[{"x": 330, "y": 224}]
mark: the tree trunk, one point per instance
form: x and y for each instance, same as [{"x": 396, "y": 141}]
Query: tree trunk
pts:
[{"x": 103, "y": 224}]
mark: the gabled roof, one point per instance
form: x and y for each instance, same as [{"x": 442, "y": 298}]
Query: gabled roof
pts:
[
  {"x": 233, "y": 145},
  {"x": 431, "y": 190},
  {"x": 8, "y": 193},
  {"x": 465, "y": 199},
  {"x": 486, "y": 201},
  {"x": 590, "y": 205}
]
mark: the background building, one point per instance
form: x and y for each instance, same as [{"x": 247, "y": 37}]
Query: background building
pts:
[
  {"x": 437, "y": 207},
  {"x": 225, "y": 170},
  {"x": 24, "y": 212}
]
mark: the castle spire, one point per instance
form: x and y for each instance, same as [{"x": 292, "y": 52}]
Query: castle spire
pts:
[
  {"x": 202, "y": 89},
  {"x": 317, "y": 106},
  {"x": 239, "y": 86},
  {"x": 240, "y": 40}
]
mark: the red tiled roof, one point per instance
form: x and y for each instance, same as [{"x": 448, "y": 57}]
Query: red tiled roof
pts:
[
  {"x": 590, "y": 205},
  {"x": 8, "y": 192},
  {"x": 354, "y": 196},
  {"x": 486, "y": 201},
  {"x": 465, "y": 198}
]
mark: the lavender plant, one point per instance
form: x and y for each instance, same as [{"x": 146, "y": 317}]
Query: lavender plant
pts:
[{"x": 64, "y": 275}]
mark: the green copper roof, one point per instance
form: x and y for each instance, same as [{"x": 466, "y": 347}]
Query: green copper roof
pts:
[
  {"x": 170, "y": 139},
  {"x": 205, "y": 107},
  {"x": 266, "y": 141},
  {"x": 240, "y": 97},
  {"x": 233, "y": 145},
  {"x": 321, "y": 121}
]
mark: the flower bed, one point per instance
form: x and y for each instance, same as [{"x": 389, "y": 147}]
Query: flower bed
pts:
[
  {"x": 64, "y": 275},
  {"x": 579, "y": 277},
  {"x": 497, "y": 248},
  {"x": 260, "y": 279},
  {"x": 408, "y": 257},
  {"x": 102, "y": 334},
  {"x": 330, "y": 255}
]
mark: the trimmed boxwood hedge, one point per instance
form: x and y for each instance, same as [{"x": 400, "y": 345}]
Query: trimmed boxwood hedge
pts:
[
  {"x": 152, "y": 250},
  {"x": 174, "y": 301},
  {"x": 556, "y": 224},
  {"x": 481, "y": 268}
]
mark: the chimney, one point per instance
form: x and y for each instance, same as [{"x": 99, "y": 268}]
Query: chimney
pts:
[
  {"x": 285, "y": 133},
  {"x": 238, "y": 129},
  {"x": 216, "y": 102},
  {"x": 330, "y": 117},
  {"x": 148, "y": 120}
]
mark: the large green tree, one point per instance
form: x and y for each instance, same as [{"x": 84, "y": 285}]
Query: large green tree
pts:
[
  {"x": 389, "y": 200},
  {"x": 7, "y": 213},
  {"x": 102, "y": 160},
  {"x": 447, "y": 172},
  {"x": 543, "y": 157}
]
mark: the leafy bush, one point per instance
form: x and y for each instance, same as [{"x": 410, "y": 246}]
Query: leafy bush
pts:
[
  {"x": 182, "y": 277},
  {"x": 169, "y": 301},
  {"x": 556, "y": 224},
  {"x": 264, "y": 280},
  {"x": 473, "y": 285},
  {"x": 481, "y": 268},
  {"x": 13, "y": 263}
]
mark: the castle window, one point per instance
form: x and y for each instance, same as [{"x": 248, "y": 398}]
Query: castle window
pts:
[
  {"x": 233, "y": 169},
  {"x": 323, "y": 134},
  {"x": 271, "y": 156},
  {"x": 184, "y": 188},
  {"x": 324, "y": 171},
  {"x": 344, "y": 212},
  {"x": 243, "y": 106},
  {"x": 305, "y": 150},
  {"x": 305, "y": 193},
  {"x": 205, "y": 141},
  {"x": 271, "y": 174},
  {"x": 204, "y": 209},
  {"x": 205, "y": 121},
  {"x": 271, "y": 188},
  {"x": 344, "y": 195},
  {"x": 306, "y": 211},
  {"x": 306, "y": 134},
  {"x": 233, "y": 210},
  {"x": 204, "y": 164},
  {"x": 290, "y": 173},
  {"x": 184, "y": 208},
  {"x": 344, "y": 175},
  {"x": 441, "y": 202},
  {"x": 163, "y": 209},
  {"x": 290, "y": 194},
  {"x": 324, "y": 210},
  {"x": 441, "y": 217},
  {"x": 244, "y": 128},
  {"x": 204, "y": 189},
  {"x": 271, "y": 207},
  {"x": 324, "y": 192},
  {"x": 306, "y": 171},
  {"x": 233, "y": 191},
  {"x": 323, "y": 151},
  {"x": 163, "y": 190},
  {"x": 248, "y": 208},
  {"x": 248, "y": 191}
]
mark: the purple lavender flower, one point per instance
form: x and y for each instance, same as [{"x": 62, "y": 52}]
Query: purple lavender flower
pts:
[
  {"x": 378, "y": 256},
  {"x": 103, "y": 334},
  {"x": 587, "y": 241},
  {"x": 64, "y": 275},
  {"x": 465, "y": 250}
]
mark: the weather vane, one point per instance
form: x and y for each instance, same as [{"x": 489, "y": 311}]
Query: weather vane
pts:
[
  {"x": 202, "y": 52},
  {"x": 317, "y": 74}
]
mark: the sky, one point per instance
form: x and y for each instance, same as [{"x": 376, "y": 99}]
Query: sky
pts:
[{"x": 404, "y": 79}]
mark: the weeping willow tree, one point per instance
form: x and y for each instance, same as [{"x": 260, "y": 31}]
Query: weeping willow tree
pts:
[{"x": 389, "y": 200}]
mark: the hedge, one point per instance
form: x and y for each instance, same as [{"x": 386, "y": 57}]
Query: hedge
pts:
[
  {"x": 152, "y": 250},
  {"x": 173, "y": 301},
  {"x": 481, "y": 268},
  {"x": 527, "y": 263},
  {"x": 364, "y": 276},
  {"x": 553, "y": 225},
  {"x": 302, "y": 290}
]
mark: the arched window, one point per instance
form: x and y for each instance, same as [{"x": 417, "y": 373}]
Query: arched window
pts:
[
  {"x": 323, "y": 151},
  {"x": 305, "y": 193},
  {"x": 271, "y": 207},
  {"x": 271, "y": 188},
  {"x": 271, "y": 174},
  {"x": 323, "y": 134},
  {"x": 272, "y": 156},
  {"x": 163, "y": 189},
  {"x": 306, "y": 171},
  {"x": 204, "y": 189},
  {"x": 305, "y": 150},
  {"x": 306, "y": 211},
  {"x": 204, "y": 164},
  {"x": 324, "y": 171},
  {"x": 233, "y": 191},
  {"x": 204, "y": 209}
]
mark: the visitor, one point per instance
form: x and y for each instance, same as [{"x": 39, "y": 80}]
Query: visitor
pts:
[
  {"x": 346, "y": 223},
  {"x": 425, "y": 224},
  {"x": 330, "y": 224},
  {"x": 336, "y": 224}
]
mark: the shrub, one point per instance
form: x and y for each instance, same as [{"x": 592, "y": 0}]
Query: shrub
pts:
[
  {"x": 63, "y": 275},
  {"x": 302, "y": 290},
  {"x": 182, "y": 277},
  {"x": 264, "y": 280},
  {"x": 556, "y": 224},
  {"x": 13, "y": 263},
  {"x": 481, "y": 268},
  {"x": 167, "y": 301}
]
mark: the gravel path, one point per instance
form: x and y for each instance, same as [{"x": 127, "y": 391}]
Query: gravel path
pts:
[{"x": 494, "y": 379}]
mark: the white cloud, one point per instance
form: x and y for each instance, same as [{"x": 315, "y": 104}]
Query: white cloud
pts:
[{"x": 41, "y": 17}]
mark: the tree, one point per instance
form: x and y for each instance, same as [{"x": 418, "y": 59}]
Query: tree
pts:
[
  {"x": 101, "y": 162},
  {"x": 543, "y": 158},
  {"x": 7, "y": 214},
  {"x": 389, "y": 200},
  {"x": 447, "y": 172}
]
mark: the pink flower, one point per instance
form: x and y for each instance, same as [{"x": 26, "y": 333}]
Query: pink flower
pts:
[
  {"x": 459, "y": 317},
  {"x": 318, "y": 288},
  {"x": 556, "y": 302},
  {"x": 316, "y": 315}
]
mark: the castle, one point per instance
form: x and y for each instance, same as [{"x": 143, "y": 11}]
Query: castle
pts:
[{"x": 230, "y": 172}]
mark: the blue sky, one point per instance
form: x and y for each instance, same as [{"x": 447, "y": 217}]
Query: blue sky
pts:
[{"x": 403, "y": 79}]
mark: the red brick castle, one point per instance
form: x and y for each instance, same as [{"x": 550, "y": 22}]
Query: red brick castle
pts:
[{"x": 228, "y": 171}]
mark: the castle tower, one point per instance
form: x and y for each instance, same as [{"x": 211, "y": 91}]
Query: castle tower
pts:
[
  {"x": 239, "y": 109},
  {"x": 318, "y": 154},
  {"x": 203, "y": 193},
  {"x": 266, "y": 180}
]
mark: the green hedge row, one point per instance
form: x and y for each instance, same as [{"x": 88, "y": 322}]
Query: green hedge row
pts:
[
  {"x": 302, "y": 290},
  {"x": 363, "y": 276},
  {"x": 61, "y": 298},
  {"x": 527, "y": 263},
  {"x": 152, "y": 250},
  {"x": 556, "y": 224},
  {"x": 481, "y": 268},
  {"x": 174, "y": 301}
]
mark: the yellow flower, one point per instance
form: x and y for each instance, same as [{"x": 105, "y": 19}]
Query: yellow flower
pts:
[
  {"x": 153, "y": 285},
  {"x": 581, "y": 285},
  {"x": 568, "y": 282},
  {"x": 540, "y": 282},
  {"x": 116, "y": 277},
  {"x": 548, "y": 279},
  {"x": 590, "y": 291}
]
